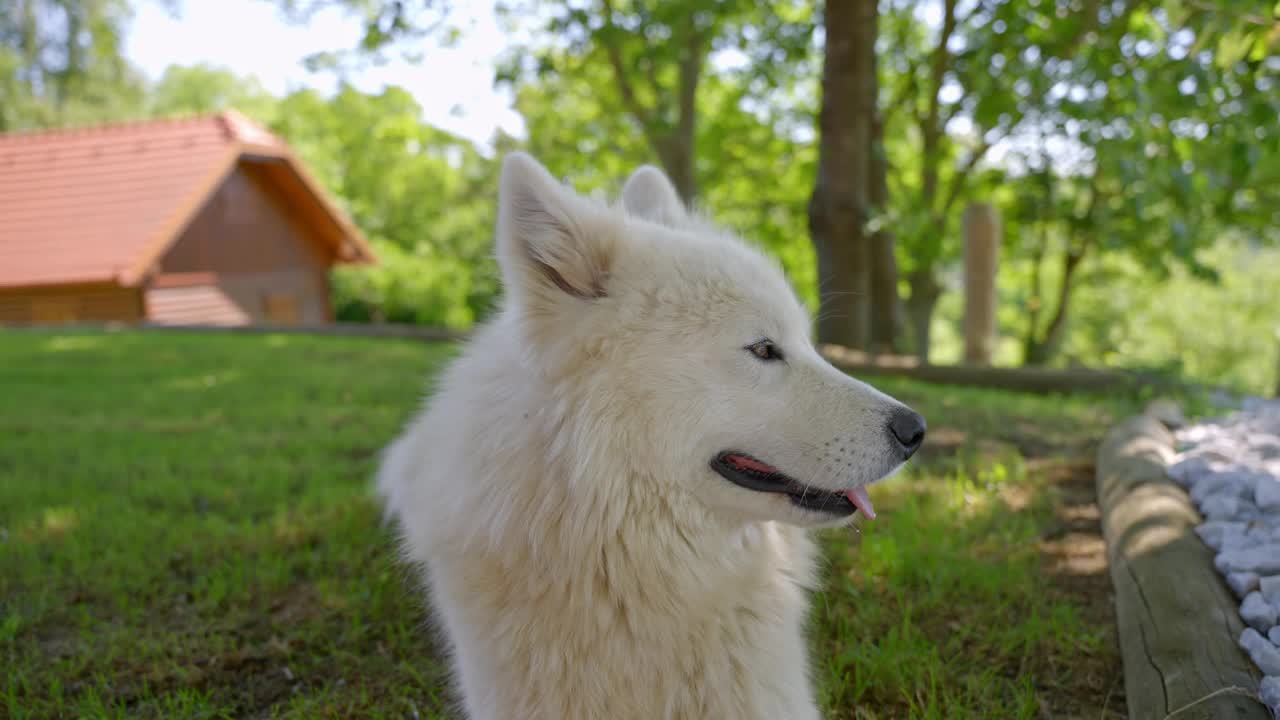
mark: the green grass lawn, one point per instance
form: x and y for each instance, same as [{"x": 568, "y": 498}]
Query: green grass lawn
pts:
[{"x": 187, "y": 530}]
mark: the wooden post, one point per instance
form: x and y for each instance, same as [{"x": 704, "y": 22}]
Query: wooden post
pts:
[
  {"x": 982, "y": 235},
  {"x": 1177, "y": 622}
]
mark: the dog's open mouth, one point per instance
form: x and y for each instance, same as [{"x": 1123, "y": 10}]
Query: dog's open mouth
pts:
[{"x": 745, "y": 471}]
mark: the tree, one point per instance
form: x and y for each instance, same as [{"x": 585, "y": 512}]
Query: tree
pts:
[
  {"x": 1165, "y": 149},
  {"x": 200, "y": 89},
  {"x": 757, "y": 164},
  {"x": 839, "y": 209},
  {"x": 61, "y": 63},
  {"x": 886, "y": 326},
  {"x": 958, "y": 85},
  {"x": 954, "y": 90},
  {"x": 656, "y": 54},
  {"x": 1221, "y": 334},
  {"x": 424, "y": 198},
  {"x": 754, "y": 155},
  {"x": 618, "y": 82}
]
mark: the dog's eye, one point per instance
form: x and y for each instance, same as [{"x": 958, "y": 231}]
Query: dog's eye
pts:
[{"x": 765, "y": 350}]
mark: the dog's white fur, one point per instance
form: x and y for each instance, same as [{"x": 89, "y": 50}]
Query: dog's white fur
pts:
[{"x": 582, "y": 556}]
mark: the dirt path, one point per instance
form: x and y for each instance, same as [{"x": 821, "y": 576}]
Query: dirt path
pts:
[{"x": 1074, "y": 557}]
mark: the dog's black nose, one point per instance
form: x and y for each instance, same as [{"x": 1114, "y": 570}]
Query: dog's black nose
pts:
[{"x": 907, "y": 427}]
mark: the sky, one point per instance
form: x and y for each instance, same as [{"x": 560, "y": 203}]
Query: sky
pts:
[{"x": 252, "y": 37}]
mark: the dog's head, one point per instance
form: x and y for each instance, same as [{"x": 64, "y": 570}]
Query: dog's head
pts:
[{"x": 688, "y": 353}]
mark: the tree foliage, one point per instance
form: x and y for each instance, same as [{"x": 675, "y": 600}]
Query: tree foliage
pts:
[
  {"x": 1121, "y": 127},
  {"x": 1122, "y": 142},
  {"x": 61, "y": 63},
  {"x": 198, "y": 89},
  {"x": 1167, "y": 148},
  {"x": 651, "y": 60},
  {"x": 1222, "y": 334},
  {"x": 758, "y": 155},
  {"x": 424, "y": 198}
]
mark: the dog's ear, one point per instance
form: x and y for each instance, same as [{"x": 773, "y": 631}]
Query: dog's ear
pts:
[
  {"x": 551, "y": 242},
  {"x": 650, "y": 195}
]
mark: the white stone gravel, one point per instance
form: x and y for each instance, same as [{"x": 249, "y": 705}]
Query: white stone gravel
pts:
[
  {"x": 1243, "y": 583},
  {"x": 1263, "y": 653},
  {"x": 1270, "y": 692},
  {"x": 1270, "y": 589},
  {"x": 1216, "y": 533},
  {"x": 1258, "y": 613},
  {"x": 1231, "y": 468},
  {"x": 1267, "y": 495},
  {"x": 1262, "y": 559}
]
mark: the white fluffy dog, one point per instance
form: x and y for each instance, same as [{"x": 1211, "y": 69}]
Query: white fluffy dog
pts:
[{"x": 610, "y": 489}]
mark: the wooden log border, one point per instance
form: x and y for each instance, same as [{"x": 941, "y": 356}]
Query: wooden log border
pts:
[{"x": 1177, "y": 622}]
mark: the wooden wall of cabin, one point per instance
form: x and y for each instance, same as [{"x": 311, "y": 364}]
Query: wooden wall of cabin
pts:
[
  {"x": 244, "y": 259},
  {"x": 59, "y": 304}
]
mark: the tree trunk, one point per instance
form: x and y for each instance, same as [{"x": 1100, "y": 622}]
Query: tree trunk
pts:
[
  {"x": 674, "y": 147},
  {"x": 925, "y": 291},
  {"x": 885, "y": 305},
  {"x": 676, "y": 155},
  {"x": 838, "y": 207},
  {"x": 932, "y": 130},
  {"x": 839, "y": 296},
  {"x": 924, "y": 286},
  {"x": 884, "y": 265},
  {"x": 75, "y": 60},
  {"x": 828, "y": 325},
  {"x": 1041, "y": 350},
  {"x": 1034, "y": 303},
  {"x": 676, "y": 151}
]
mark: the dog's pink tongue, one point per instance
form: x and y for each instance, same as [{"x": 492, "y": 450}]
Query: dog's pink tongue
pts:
[{"x": 862, "y": 501}]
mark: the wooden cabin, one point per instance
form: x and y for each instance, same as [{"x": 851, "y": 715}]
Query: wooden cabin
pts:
[{"x": 199, "y": 221}]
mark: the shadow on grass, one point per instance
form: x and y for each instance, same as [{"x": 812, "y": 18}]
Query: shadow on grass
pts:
[{"x": 981, "y": 591}]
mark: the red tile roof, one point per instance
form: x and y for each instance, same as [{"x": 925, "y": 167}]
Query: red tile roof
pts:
[{"x": 102, "y": 204}]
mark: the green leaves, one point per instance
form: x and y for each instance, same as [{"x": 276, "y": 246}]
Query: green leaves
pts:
[
  {"x": 199, "y": 89},
  {"x": 61, "y": 63},
  {"x": 423, "y": 196},
  {"x": 1233, "y": 31}
]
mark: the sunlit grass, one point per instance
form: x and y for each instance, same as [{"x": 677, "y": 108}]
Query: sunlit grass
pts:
[
  {"x": 187, "y": 530},
  {"x": 939, "y": 608}
]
